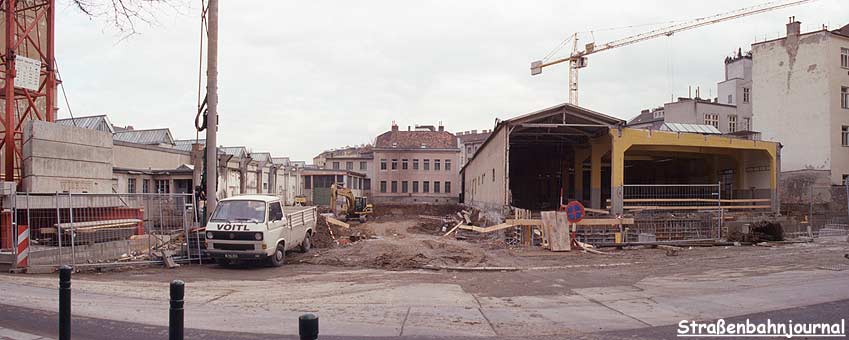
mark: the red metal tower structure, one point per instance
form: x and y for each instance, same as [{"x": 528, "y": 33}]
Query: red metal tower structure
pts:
[{"x": 29, "y": 89}]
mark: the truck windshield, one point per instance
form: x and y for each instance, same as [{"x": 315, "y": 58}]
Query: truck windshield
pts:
[{"x": 239, "y": 211}]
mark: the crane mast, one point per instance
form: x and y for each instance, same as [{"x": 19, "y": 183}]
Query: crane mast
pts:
[{"x": 578, "y": 58}]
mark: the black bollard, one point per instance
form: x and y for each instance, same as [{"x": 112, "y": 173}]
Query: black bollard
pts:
[
  {"x": 65, "y": 302},
  {"x": 175, "y": 316},
  {"x": 308, "y": 326}
]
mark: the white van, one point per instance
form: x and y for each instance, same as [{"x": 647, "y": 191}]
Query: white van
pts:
[{"x": 258, "y": 227}]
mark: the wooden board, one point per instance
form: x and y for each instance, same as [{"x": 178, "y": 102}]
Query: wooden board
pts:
[
  {"x": 557, "y": 230},
  {"x": 523, "y": 221},
  {"x": 334, "y": 221},
  {"x": 605, "y": 221},
  {"x": 707, "y": 207}
]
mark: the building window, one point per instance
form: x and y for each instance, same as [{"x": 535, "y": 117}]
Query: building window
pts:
[
  {"x": 747, "y": 94},
  {"x": 425, "y": 186},
  {"x": 436, "y": 186},
  {"x": 844, "y": 57},
  {"x": 131, "y": 185},
  {"x": 426, "y": 164},
  {"x": 404, "y": 186},
  {"x": 447, "y": 165},
  {"x": 394, "y": 186},
  {"x": 712, "y": 119},
  {"x": 335, "y": 165},
  {"x": 308, "y": 182},
  {"x": 415, "y": 164},
  {"x": 493, "y": 174},
  {"x": 403, "y": 164},
  {"x": 382, "y": 186},
  {"x": 844, "y": 97},
  {"x": 145, "y": 186},
  {"x": 363, "y": 166},
  {"x": 415, "y": 186},
  {"x": 383, "y": 164},
  {"x": 732, "y": 123},
  {"x": 747, "y": 124},
  {"x": 447, "y": 187},
  {"x": 436, "y": 165},
  {"x": 730, "y": 99},
  {"x": 844, "y": 136},
  {"x": 366, "y": 184},
  {"x": 349, "y": 165},
  {"x": 394, "y": 164},
  {"x": 163, "y": 186}
]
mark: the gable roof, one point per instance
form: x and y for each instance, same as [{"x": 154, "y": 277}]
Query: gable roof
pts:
[
  {"x": 147, "y": 137},
  {"x": 473, "y": 137},
  {"x": 261, "y": 156},
  {"x": 237, "y": 151},
  {"x": 186, "y": 144},
  {"x": 395, "y": 139},
  {"x": 98, "y": 122}
]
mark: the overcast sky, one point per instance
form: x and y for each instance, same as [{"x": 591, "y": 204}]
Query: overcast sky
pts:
[{"x": 299, "y": 77}]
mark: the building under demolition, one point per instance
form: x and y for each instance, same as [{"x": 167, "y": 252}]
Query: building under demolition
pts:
[{"x": 543, "y": 159}]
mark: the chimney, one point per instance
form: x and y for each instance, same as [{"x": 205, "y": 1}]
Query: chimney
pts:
[
  {"x": 394, "y": 126},
  {"x": 409, "y": 128},
  {"x": 793, "y": 28},
  {"x": 441, "y": 128}
]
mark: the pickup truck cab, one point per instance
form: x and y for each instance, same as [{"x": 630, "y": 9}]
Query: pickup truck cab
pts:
[{"x": 258, "y": 228}]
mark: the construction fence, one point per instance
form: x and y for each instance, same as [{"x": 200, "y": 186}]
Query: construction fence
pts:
[
  {"x": 821, "y": 210},
  {"x": 101, "y": 229}
]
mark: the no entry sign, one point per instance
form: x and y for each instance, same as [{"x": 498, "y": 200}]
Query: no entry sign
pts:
[{"x": 575, "y": 212}]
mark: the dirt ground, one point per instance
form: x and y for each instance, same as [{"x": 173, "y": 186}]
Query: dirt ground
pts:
[{"x": 401, "y": 246}]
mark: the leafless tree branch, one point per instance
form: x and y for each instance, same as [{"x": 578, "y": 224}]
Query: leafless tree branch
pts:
[{"x": 123, "y": 15}]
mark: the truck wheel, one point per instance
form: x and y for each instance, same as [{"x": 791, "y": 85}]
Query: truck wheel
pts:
[
  {"x": 306, "y": 245},
  {"x": 279, "y": 257}
]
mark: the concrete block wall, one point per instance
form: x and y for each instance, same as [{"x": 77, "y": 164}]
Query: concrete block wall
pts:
[{"x": 59, "y": 158}]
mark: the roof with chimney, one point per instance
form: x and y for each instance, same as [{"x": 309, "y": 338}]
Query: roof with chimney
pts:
[
  {"x": 424, "y": 137},
  {"x": 844, "y": 31},
  {"x": 468, "y": 137}
]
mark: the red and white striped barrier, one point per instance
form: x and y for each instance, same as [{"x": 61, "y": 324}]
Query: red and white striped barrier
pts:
[{"x": 23, "y": 247}]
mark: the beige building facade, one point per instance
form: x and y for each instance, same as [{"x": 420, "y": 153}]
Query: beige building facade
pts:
[{"x": 416, "y": 166}]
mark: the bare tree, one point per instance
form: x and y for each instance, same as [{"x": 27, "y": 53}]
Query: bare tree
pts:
[{"x": 122, "y": 14}]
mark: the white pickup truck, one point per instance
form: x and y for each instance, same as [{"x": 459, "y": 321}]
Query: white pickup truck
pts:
[{"x": 256, "y": 227}]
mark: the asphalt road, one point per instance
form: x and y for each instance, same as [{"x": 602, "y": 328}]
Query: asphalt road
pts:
[{"x": 45, "y": 324}]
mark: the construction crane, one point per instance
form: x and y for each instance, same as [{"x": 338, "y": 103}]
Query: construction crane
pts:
[{"x": 578, "y": 59}]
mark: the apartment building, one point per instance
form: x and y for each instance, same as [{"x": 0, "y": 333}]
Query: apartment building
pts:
[
  {"x": 470, "y": 142},
  {"x": 352, "y": 158},
  {"x": 730, "y": 111},
  {"x": 802, "y": 87},
  {"x": 416, "y": 166}
]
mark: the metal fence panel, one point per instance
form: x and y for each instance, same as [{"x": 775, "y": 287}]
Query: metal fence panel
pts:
[{"x": 88, "y": 229}]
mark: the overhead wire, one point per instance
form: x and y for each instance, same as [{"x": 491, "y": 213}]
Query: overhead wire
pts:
[{"x": 200, "y": 102}]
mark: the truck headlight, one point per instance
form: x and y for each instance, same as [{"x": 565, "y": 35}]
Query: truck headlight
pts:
[
  {"x": 258, "y": 236},
  {"x": 209, "y": 235}
]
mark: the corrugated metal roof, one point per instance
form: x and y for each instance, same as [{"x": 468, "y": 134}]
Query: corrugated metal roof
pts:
[
  {"x": 99, "y": 123},
  {"x": 186, "y": 144},
  {"x": 691, "y": 128},
  {"x": 238, "y": 151},
  {"x": 147, "y": 137},
  {"x": 261, "y": 156}
]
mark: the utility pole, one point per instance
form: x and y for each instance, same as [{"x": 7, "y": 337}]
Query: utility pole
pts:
[{"x": 212, "y": 106}]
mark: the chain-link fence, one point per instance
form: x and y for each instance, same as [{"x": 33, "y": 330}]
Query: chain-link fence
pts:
[{"x": 99, "y": 229}]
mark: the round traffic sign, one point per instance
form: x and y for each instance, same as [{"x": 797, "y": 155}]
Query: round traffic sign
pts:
[{"x": 575, "y": 212}]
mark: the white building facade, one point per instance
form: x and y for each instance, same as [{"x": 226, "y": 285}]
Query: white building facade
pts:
[{"x": 802, "y": 84}]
